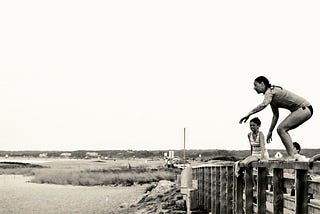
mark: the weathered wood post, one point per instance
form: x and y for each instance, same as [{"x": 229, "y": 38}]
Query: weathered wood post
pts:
[
  {"x": 229, "y": 198},
  {"x": 238, "y": 192},
  {"x": 261, "y": 195},
  {"x": 249, "y": 190},
  {"x": 201, "y": 187},
  {"x": 217, "y": 190},
  {"x": 209, "y": 188},
  {"x": 213, "y": 190},
  {"x": 223, "y": 189},
  {"x": 277, "y": 191},
  {"x": 301, "y": 198}
]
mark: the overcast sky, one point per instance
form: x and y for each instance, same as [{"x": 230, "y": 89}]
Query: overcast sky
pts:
[{"x": 132, "y": 74}]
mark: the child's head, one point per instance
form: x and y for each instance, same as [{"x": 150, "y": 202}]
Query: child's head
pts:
[
  {"x": 255, "y": 124},
  {"x": 297, "y": 147}
]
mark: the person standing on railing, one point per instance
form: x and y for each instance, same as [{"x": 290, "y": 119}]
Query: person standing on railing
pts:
[{"x": 278, "y": 97}]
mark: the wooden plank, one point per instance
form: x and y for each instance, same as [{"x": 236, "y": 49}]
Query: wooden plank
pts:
[
  {"x": 281, "y": 164},
  {"x": 313, "y": 208},
  {"x": 201, "y": 188},
  {"x": 192, "y": 200},
  {"x": 301, "y": 191},
  {"x": 314, "y": 188},
  {"x": 238, "y": 192},
  {"x": 277, "y": 191},
  {"x": 230, "y": 177},
  {"x": 198, "y": 184},
  {"x": 223, "y": 190},
  {"x": 213, "y": 190},
  {"x": 288, "y": 201},
  {"x": 205, "y": 183},
  {"x": 261, "y": 196},
  {"x": 249, "y": 191},
  {"x": 217, "y": 190},
  {"x": 209, "y": 188}
]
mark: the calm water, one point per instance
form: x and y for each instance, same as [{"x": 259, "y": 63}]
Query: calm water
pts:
[{"x": 19, "y": 196}]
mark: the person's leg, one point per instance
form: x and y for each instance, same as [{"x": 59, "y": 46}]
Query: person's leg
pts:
[
  {"x": 248, "y": 160},
  {"x": 292, "y": 121}
]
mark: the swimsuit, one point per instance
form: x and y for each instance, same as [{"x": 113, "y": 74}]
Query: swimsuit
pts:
[
  {"x": 282, "y": 98},
  {"x": 255, "y": 145}
]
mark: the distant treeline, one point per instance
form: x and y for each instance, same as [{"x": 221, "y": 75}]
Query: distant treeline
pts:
[{"x": 204, "y": 155}]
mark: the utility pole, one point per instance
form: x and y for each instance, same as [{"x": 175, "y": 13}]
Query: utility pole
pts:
[{"x": 184, "y": 145}]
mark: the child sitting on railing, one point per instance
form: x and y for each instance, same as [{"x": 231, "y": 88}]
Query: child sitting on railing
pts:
[{"x": 257, "y": 145}]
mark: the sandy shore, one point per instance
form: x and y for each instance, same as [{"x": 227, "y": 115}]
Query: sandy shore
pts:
[{"x": 20, "y": 196}]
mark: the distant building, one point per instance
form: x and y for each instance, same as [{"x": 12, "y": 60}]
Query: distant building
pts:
[
  {"x": 65, "y": 154},
  {"x": 92, "y": 155},
  {"x": 43, "y": 155},
  {"x": 171, "y": 154}
]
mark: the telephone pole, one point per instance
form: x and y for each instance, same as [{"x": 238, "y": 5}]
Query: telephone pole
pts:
[{"x": 184, "y": 145}]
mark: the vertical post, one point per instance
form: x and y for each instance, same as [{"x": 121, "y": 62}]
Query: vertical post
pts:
[
  {"x": 209, "y": 199},
  {"x": 301, "y": 191},
  {"x": 195, "y": 176},
  {"x": 238, "y": 192},
  {"x": 223, "y": 192},
  {"x": 201, "y": 187},
  {"x": 262, "y": 197},
  {"x": 217, "y": 196},
  {"x": 213, "y": 190},
  {"x": 277, "y": 191},
  {"x": 249, "y": 190},
  {"x": 229, "y": 189},
  {"x": 205, "y": 188}
]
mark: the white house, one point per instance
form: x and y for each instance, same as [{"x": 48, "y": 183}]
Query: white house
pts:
[
  {"x": 43, "y": 155},
  {"x": 65, "y": 154}
]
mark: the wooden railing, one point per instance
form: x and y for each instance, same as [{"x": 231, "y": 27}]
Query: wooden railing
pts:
[{"x": 265, "y": 187}]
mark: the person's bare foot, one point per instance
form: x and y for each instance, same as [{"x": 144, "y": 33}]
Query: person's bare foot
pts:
[{"x": 297, "y": 157}]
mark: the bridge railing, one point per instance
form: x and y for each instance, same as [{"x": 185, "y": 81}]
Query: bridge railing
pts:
[{"x": 264, "y": 187}]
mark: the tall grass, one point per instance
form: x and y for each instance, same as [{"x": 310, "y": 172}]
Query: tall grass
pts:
[
  {"x": 90, "y": 172},
  {"x": 103, "y": 177}
]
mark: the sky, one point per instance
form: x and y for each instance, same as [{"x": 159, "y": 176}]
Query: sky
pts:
[{"x": 102, "y": 75}]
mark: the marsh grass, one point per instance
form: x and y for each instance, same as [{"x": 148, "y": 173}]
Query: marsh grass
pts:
[
  {"x": 103, "y": 177},
  {"x": 16, "y": 168},
  {"x": 93, "y": 172}
]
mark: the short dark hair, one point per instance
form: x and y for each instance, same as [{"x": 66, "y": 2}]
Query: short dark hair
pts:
[
  {"x": 297, "y": 146},
  {"x": 256, "y": 120}
]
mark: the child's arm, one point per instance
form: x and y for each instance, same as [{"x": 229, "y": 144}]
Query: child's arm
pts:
[
  {"x": 250, "y": 143},
  {"x": 262, "y": 144},
  {"x": 312, "y": 159}
]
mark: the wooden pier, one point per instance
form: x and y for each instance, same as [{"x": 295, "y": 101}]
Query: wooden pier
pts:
[{"x": 265, "y": 187}]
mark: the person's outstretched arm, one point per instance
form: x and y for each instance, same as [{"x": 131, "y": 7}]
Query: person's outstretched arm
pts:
[
  {"x": 274, "y": 121},
  {"x": 267, "y": 100}
]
